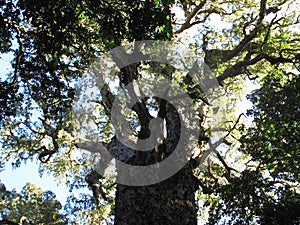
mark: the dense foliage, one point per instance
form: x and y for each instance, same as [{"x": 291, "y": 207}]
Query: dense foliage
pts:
[
  {"x": 31, "y": 206},
  {"x": 268, "y": 189}
]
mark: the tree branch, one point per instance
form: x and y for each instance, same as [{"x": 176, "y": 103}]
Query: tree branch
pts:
[
  {"x": 240, "y": 67},
  {"x": 20, "y": 52},
  {"x": 234, "y": 126},
  {"x": 187, "y": 24},
  {"x": 267, "y": 34},
  {"x": 45, "y": 154},
  {"x": 226, "y": 55},
  {"x": 128, "y": 78},
  {"x": 8, "y": 222}
]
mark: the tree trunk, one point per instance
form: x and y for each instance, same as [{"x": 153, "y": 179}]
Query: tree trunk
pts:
[{"x": 171, "y": 202}]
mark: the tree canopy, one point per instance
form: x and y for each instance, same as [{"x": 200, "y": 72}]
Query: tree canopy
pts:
[
  {"x": 252, "y": 178},
  {"x": 268, "y": 189},
  {"x": 31, "y": 206}
]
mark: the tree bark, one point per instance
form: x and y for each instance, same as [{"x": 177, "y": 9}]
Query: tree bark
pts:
[{"x": 170, "y": 202}]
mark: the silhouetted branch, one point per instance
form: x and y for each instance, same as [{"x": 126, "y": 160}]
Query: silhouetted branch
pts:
[{"x": 8, "y": 222}]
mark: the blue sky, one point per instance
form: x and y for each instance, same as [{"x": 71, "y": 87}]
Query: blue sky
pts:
[{"x": 17, "y": 178}]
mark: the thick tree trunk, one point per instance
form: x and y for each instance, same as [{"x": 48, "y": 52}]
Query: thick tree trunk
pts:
[{"x": 171, "y": 202}]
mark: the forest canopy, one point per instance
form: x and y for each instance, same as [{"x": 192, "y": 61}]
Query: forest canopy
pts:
[{"x": 251, "y": 178}]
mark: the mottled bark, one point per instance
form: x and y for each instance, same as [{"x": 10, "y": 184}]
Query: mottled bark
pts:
[{"x": 170, "y": 202}]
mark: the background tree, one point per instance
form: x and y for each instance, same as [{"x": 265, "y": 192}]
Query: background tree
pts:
[
  {"x": 31, "y": 206},
  {"x": 52, "y": 42},
  {"x": 268, "y": 188}
]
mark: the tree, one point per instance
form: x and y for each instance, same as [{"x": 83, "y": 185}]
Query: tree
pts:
[
  {"x": 54, "y": 41},
  {"x": 31, "y": 206},
  {"x": 268, "y": 187}
]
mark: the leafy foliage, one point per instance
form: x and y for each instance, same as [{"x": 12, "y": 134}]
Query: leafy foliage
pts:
[
  {"x": 267, "y": 191},
  {"x": 275, "y": 138},
  {"x": 31, "y": 206}
]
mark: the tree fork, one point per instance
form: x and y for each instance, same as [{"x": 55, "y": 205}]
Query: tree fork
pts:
[{"x": 171, "y": 201}]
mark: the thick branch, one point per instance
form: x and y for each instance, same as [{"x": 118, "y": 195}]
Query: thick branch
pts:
[
  {"x": 45, "y": 154},
  {"x": 93, "y": 180},
  {"x": 128, "y": 78},
  {"x": 226, "y": 55},
  {"x": 240, "y": 67}
]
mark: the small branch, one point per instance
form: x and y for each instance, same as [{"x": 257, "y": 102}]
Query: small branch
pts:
[
  {"x": 288, "y": 49},
  {"x": 28, "y": 125},
  {"x": 15, "y": 26},
  {"x": 228, "y": 168},
  {"x": 45, "y": 153},
  {"x": 213, "y": 147},
  {"x": 234, "y": 126},
  {"x": 195, "y": 11},
  {"x": 250, "y": 75},
  {"x": 187, "y": 24},
  {"x": 267, "y": 34}
]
